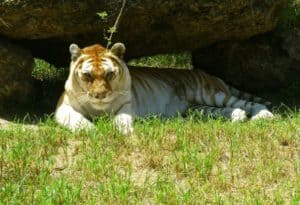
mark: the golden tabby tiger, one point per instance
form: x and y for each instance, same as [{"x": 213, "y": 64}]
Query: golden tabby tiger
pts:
[{"x": 99, "y": 82}]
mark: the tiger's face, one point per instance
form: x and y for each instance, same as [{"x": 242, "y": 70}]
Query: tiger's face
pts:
[{"x": 96, "y": 69}]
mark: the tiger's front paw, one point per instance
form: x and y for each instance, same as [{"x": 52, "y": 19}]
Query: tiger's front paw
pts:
[
  {"x": 126, "y": 131},
  {"x": 123, "y": 123}
]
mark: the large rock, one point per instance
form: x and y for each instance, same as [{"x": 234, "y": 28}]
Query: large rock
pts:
[
  {"x": 263, "y": 63},
  {"x": 15, "y": 74},
  {"x": 291, "y": 43},
  {"x": 147, "y": 26}
]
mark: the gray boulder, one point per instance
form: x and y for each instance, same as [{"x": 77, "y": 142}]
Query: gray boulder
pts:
[{"x": 147, "y": 26}]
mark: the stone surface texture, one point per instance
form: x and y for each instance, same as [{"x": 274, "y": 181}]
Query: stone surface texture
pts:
[
  {"x": 15, "y": 73},
  {"x": 147, "y": 26},
  {"x": 261, "y": 63}
]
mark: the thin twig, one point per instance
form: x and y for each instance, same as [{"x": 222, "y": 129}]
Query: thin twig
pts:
[{"x": 116, "y": 24}]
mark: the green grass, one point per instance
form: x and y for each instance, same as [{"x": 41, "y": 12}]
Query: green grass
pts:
[
  {"x": 44, "y": 71},
  {"x": 175, "y": 161},
  {"x": 180, "y": 61}
]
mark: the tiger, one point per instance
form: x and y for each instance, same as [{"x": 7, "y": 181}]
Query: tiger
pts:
[{"x": 100, "y": 82}]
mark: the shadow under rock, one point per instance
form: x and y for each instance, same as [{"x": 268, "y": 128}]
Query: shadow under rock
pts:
[{"x": 41, "y": 107}]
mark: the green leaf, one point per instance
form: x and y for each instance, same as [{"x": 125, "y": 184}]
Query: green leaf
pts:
[
  {"x": 103, "y": 15},
  {"x": 112, "y": 29}
]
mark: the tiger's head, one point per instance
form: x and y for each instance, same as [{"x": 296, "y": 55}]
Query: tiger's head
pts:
[{"x": 98, "y": 72}]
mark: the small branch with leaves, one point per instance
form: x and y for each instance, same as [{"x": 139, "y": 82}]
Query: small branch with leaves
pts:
[{"x": 103, "y": 15}]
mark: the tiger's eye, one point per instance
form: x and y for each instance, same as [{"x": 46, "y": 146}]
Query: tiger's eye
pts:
[
  {"x": 109, "y": 75},
  {"x": 86, "y": 76}
]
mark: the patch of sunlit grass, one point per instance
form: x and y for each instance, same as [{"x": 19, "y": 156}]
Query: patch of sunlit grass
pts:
[{"x": 175, "y": 161}]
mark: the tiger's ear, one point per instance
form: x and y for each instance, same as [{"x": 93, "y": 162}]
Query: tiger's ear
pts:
[
  {"x": 74, "y": 51},
  {"x": 118, "y": 49}
]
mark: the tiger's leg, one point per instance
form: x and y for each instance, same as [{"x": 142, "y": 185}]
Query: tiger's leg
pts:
[
  {"x": 124, "y": 120},
  {"x": 65, "y": 115},
  {"x": 256, "y": 110},
  {"x": 256, "y": 106},
  {"x": 235, "y": 114},
  {"x": 228, "y": 100}
]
